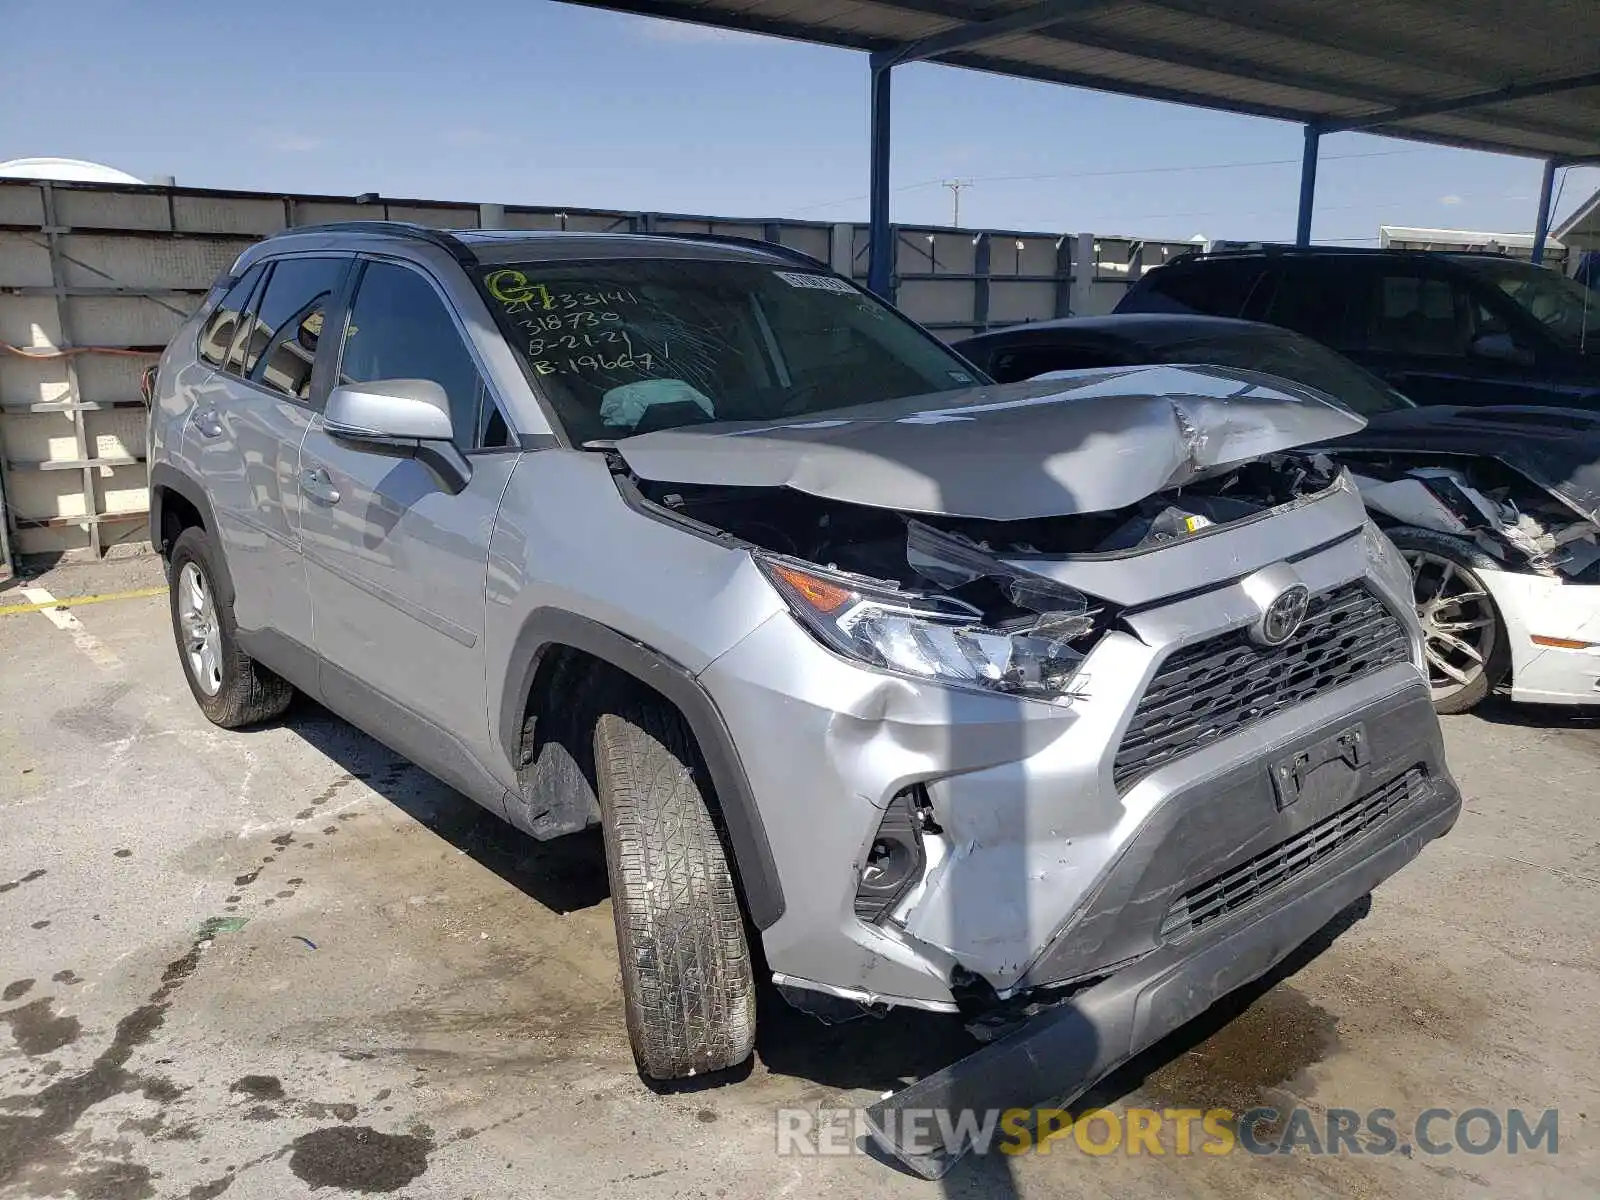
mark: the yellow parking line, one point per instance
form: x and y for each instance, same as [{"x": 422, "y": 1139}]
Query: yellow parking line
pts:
[{"x": 74, "y": 601}]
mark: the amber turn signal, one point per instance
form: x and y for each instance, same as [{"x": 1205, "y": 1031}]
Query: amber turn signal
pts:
[{"x": 819, "y": 593}]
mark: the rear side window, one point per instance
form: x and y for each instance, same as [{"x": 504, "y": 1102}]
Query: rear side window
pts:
[
  {"x": 1413, "y": 313},
  {"x": 1216, "y": 288},
  {"x": 400, "y": 329},
  {"x": 287, "y": 325},
  {"x": 217, "y": 334}
]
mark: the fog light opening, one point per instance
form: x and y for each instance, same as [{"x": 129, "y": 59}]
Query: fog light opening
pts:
[{"x": 896, "y": 859}]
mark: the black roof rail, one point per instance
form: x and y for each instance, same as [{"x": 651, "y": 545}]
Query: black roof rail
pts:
[
  {"x": 441, "y": 238},
  {"x": 1276, "y": 249},
  {"x": 463, "y": 253}
]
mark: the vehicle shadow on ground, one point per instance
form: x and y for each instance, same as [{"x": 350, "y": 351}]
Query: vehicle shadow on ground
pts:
[
  {"x": 1499, "y": 710},
  {"x": 563, "y": 875},
  {"x": 881, "y": 1054},
  {"x": 875, "y": 1054}
]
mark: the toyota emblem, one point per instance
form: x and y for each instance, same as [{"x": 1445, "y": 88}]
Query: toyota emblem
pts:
[{"x": 1283, "y": 617}]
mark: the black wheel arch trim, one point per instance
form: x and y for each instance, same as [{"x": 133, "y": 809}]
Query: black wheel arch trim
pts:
[
  {"x": 549, "y": 627},
  {"x": 165, "y": 478}
]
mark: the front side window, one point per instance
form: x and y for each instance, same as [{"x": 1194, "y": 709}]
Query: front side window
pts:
[
  {"x": 399, "y": 328},
  {"x": 281, "y": 347},
  {"x": 217, "y": 334},
  {"x": 1569, "y": 311},
  {"x": 628, "y": 346}
]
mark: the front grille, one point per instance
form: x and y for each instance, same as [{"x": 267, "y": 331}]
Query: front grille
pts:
[
  {"x": 1217, "y": 687},
  {"x": 1249, "y": 881}
]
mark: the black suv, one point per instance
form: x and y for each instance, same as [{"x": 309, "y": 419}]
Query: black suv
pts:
[{"x": 1442, "y": 328}]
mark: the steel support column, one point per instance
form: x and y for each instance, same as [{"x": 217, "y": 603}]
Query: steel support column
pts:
[
  {"x": 1308, "y": 186},
  {"x": 880, "y": 238},
  {"x": 1541, "y": 226}
]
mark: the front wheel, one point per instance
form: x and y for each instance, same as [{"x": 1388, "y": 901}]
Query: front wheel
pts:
[
  {"x": 231, "y": 688},
  {"x": 1464, "y": 639},
  {"x": 688, "y": 988}
]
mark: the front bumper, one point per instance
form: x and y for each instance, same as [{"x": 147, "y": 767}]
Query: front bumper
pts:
[
  {"x": 1546, "y": 606},
  {"x": 1061, "y": 1053},
  {"x": 1043, "y": 871}
]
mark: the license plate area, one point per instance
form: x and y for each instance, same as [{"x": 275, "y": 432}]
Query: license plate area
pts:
[{"x": 1324, "y": 775}]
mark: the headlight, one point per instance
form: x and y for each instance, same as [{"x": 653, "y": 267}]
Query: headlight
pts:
[{"x": 929, "y": 637}]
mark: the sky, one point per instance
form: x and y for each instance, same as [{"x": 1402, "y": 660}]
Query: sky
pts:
[{"x": 547, "y": 104}]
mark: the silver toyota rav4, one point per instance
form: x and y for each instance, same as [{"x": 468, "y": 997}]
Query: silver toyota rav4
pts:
[{"x": 1087, "y": 698}]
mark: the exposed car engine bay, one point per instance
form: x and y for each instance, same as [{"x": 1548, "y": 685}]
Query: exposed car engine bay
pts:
[
  {"x": 1523, "y": 525},
  {"x": 873, "y": 541},
  {"x": 948, "y": 590}
]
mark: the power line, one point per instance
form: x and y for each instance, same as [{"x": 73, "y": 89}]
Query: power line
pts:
[
  {"x": 1224, "y": 166},
  {"x": 1265, "y": 162}
]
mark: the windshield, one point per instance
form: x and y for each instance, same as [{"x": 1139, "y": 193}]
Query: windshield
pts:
[
  {"x": 627, "y": 346},
  {"x": 1295, "y": 358},
  {"x": 1570, "y": 311}
]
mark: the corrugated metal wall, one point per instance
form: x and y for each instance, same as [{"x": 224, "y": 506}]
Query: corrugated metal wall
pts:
[{"x": 94, "y": 279}]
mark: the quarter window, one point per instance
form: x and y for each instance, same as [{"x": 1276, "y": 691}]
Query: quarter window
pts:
[
  {"x": 400, "y": 329},
  {"x": 218, "y": 332},
  {"x": 1216, "y": 287},
  {"x": 281, "y": 347},
  {"x": 1311, "y": 298}
]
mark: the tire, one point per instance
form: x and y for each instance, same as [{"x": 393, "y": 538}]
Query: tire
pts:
[
  {"x": 1466, "y": 602},
  {"x": 231, "y": 688},
  {"x": 688, "y": 988}
]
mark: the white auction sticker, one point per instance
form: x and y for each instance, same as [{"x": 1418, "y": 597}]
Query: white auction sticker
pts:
[{"x": 823, "y": 283}]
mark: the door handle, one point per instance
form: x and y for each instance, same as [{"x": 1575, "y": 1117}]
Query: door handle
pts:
[
  {"x": 316, "y": 483},
  {"x": 208, "y": 421}
]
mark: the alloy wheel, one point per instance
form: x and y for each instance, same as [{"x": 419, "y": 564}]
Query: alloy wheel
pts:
[
  {"x": 202, "y": 639},
  {"x": 1458, "y": 622}
]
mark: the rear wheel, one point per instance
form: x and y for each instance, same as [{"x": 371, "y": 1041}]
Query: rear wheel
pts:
[
  {"x": 687, "y": 982},
  {"x": 1463, "y": 637},
  {"x": 231, "y": 688}
]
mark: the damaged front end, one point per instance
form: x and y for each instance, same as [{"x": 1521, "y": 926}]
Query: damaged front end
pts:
[
  {"x": 969, "y": 602},
  {"x": 1503, "y": 513},
  {"x": 1509, "y": 595},
  {"x": 1059, "y": 690}
]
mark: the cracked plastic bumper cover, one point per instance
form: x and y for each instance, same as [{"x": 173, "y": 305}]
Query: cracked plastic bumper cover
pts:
[{"x": 1062, "y": 1052}]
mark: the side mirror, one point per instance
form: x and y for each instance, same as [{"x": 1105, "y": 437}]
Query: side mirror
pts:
[
  {"x": 1502, "y": 348},
  {"x": 403, "y": 418}
]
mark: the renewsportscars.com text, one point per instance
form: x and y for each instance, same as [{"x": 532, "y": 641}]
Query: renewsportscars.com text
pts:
[{"x": 1179, "y": 1131}]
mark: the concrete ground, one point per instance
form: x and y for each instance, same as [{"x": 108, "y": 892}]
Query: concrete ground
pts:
[{"x": 280, "y": 962}]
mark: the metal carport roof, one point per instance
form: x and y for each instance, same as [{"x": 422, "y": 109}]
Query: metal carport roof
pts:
[
  {"x": 1582, "y": 228},
  {"x": 1496, "y": 75}
]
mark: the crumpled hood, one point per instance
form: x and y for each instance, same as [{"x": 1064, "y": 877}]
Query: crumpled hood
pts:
[
  {"x": 1078, "y": 442},
  {"x": 1557, "y": 449}
]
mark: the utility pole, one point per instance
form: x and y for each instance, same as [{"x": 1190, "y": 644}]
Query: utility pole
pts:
[{"x": 955, "y": 186}]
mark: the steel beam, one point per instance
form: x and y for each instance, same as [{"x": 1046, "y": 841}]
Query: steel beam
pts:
[
  {"x": 1332, "y": 34},
  {"x": 1541, "y": 226},
  {"x": 1439, "y": 108},
  {"x": 1308, "y": 185},
  {"x": 977, "y": 33},
  {"x": 880, "y": 237}
]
